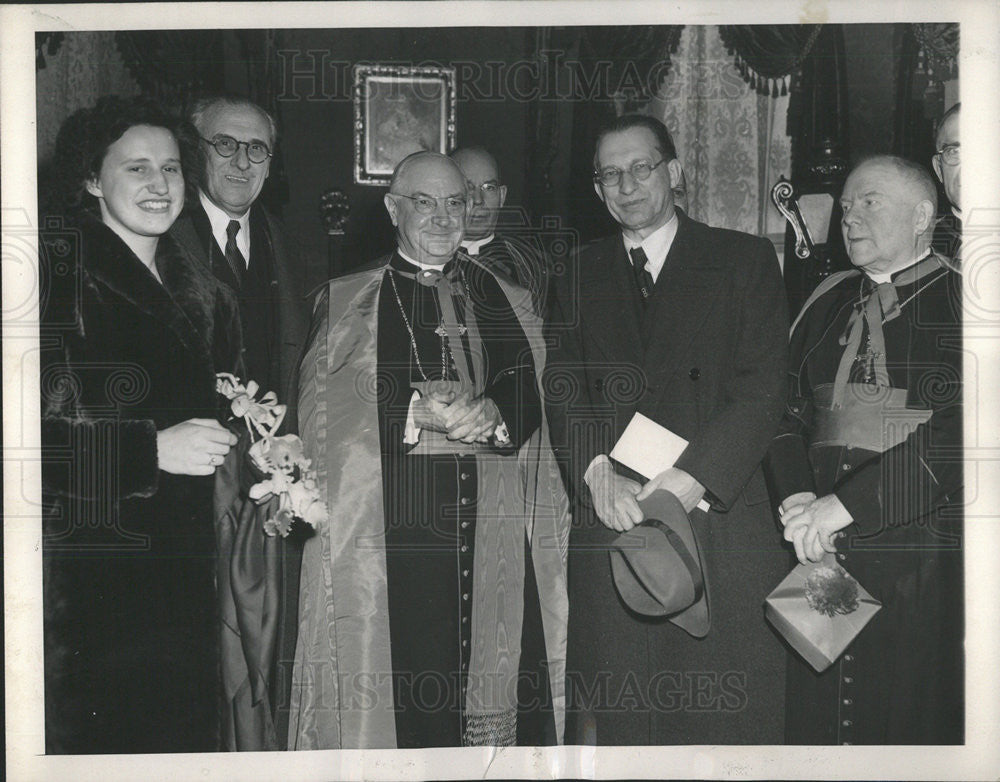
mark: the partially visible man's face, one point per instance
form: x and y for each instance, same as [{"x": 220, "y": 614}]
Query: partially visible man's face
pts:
[
  {"x": 881, "y": 220},
  {"x": 486, "y": 194},
  {"x": 639, "y": 207},
  {"x": 233, "y": 183},
  {"x": 428, "y": 238},
  {"x": 950, "y": 176}
]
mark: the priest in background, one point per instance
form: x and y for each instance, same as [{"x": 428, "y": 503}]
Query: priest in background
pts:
[
  {"x": 947, "y": 164},
  {"x": 517, "y": 258},
  {"x": 420, "y": 611}
]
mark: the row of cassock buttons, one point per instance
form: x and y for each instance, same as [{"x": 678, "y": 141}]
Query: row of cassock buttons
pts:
[{"x": 465, "y": 558}]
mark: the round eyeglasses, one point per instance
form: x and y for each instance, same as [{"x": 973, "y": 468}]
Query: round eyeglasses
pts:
[
  {"x": 227, "y": 146},
  {"x": 949, "y": 154},
  {"x": 640, "y": 171},
  {"x": 428, "y": 205}
]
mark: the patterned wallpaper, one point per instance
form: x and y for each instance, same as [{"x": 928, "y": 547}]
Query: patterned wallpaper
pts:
[{"x": 86, "y": 66}]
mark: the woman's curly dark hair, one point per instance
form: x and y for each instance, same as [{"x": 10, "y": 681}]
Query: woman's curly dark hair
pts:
[{"x": 86, "y": 135}]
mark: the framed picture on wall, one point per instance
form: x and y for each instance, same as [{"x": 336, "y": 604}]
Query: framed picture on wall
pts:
[{"x": 399, "y": 110}]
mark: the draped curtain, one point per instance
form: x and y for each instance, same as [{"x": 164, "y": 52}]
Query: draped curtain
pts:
[
  {"x": 602, "y": 72},
  {"x": 928, "y": 58},
  {"x": 730, "y": 139}
]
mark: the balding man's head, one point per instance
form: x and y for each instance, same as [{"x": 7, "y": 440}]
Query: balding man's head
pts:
[
  {"x": 486, "y": 194},
  {"x": 889, "y": 205},
  {"x": 427, "y": 204}
]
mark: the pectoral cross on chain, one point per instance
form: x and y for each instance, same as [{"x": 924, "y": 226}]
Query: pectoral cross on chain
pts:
[{"x": 868, "y": 359}]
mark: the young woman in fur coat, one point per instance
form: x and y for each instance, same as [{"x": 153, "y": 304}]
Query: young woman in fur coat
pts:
[{"x": 133, "y": 332}]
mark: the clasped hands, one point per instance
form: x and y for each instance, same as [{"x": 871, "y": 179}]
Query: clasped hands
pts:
[
  {"x": 813, "y": 524},
  {"x": 616, "y": 498},
  {"x": 457, "y": 415}
]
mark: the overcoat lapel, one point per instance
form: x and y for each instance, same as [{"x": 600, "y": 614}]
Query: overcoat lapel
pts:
[
  {"x": 608, "y": 303},
  {"x": 685, "y": 293}
]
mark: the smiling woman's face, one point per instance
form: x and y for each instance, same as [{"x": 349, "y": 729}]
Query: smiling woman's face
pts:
[{"x": 140, "y": 186}]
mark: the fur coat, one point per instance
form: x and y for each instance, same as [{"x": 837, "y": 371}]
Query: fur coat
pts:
[{"x": 131, "y": 635}]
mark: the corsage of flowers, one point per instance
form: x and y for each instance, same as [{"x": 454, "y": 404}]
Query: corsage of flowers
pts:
[{"x": 282, "y": 460}]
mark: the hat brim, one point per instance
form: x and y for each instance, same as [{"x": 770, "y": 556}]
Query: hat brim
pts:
[{"x": 658, "y": 568}]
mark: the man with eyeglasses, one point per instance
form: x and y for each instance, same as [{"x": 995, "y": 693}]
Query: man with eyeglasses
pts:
[
  {"x": 517, "y": 259},
  {"x": 947, "y": 164},
  {"x": 248, "y": 249},
  {"x": 419, "y": 608},
  {"x": 684, "y": 325}
]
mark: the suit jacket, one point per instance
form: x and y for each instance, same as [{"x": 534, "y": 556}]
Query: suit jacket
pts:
[
  {"x": 706, "y": 359},
  {"x": 193, "y": 231}
]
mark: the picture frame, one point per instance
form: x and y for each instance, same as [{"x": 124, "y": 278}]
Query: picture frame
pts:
[{"x": 400, "y": 109}]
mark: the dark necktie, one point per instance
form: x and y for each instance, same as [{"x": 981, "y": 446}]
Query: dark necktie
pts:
[
  {"x": 234, "y": 257},
  {"x": 643, "y": 279}
]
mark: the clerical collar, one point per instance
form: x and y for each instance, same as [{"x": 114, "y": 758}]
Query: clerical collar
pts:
[
  {"x": 956, "y": 211},
  {"x": 887, "y": 276},
  {"x": 219, "y": 221},
  {"x": 433, "y": 266},
  {"x": 473, "y": 246},
  {"x": 656, "y": 245}
]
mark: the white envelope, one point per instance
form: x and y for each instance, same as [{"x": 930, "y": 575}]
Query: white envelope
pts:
[{"x": 647, "y": 447}]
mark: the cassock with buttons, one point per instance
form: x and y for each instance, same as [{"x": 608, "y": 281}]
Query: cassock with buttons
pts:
[
  {"x": 875, "y": 418},
  {"x": 688, "y": 328},
  {"x": 415, "y": 595}
]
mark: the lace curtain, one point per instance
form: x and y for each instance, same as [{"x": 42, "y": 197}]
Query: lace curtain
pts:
[{"x": 731, "y": 141}]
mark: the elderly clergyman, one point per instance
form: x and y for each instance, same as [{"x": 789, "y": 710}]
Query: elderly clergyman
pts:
[
  {"x": 419, "y": 604},
  {"x": 868, "y": 464}
]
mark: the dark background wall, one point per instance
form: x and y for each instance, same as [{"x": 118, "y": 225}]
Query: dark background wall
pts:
[
  {"x": 316, "y": 113},
  {"x": 543, "y": 146}
]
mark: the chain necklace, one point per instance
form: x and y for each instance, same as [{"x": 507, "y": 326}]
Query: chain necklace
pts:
[{"x": 413, "y": 339}]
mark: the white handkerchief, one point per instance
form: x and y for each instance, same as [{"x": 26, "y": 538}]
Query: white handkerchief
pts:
[{"x": 647, "y": 447}]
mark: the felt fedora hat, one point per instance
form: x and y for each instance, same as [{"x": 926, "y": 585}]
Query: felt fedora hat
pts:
[{"x": 658, "y": 569}]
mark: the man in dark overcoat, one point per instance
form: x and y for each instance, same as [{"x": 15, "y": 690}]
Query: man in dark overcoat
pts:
[
  {"x": 248, "y": 249},
  {"x": 685, "y": 324}
]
